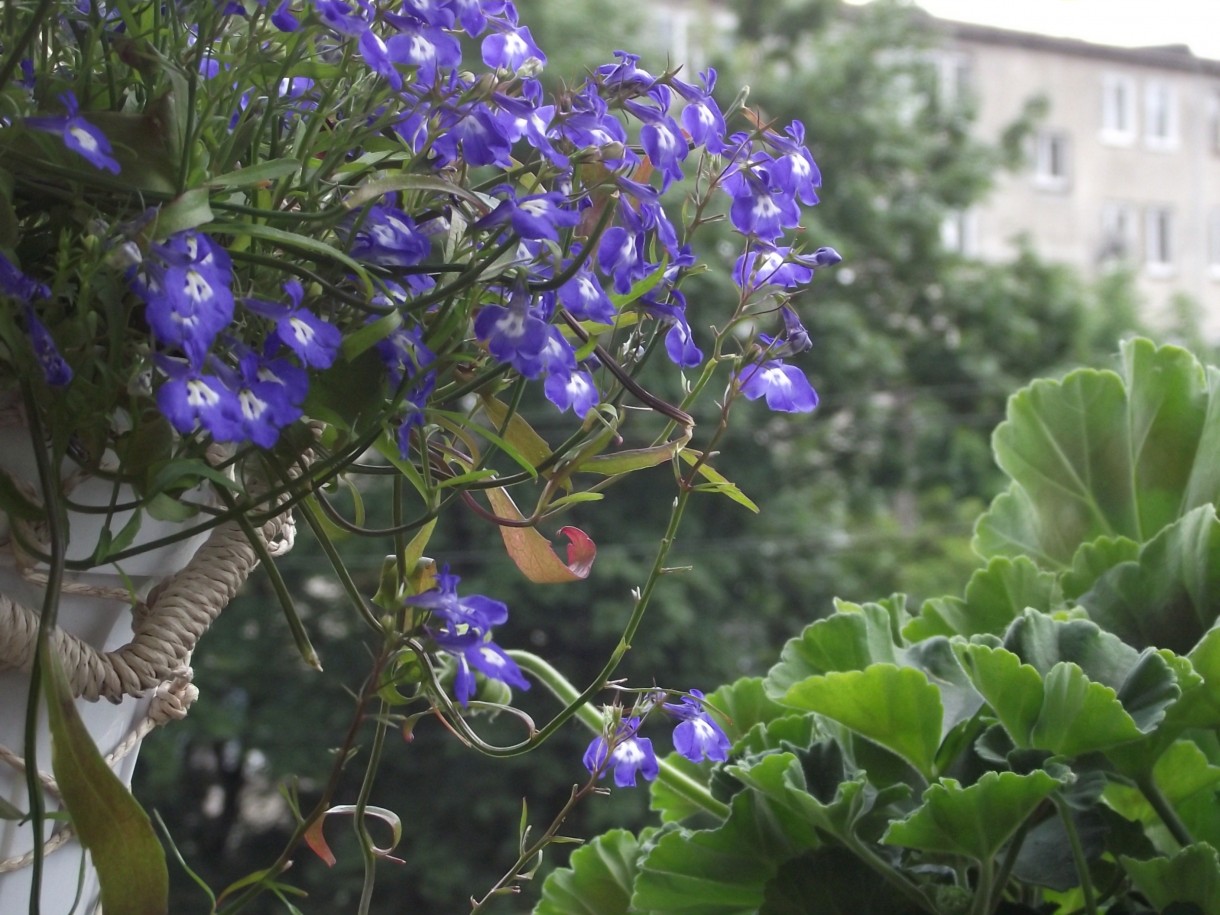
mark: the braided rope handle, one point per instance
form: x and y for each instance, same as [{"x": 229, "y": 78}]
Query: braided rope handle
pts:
[{"x": 179, "y": 611}]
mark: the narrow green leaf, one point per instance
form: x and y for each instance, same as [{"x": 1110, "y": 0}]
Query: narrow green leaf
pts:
[
  {"x": 269, "y": 170},
  {"x": 532, "y": 446},
  {"x": 114, "y": 828},
  {"x": 188, "y": 211}
]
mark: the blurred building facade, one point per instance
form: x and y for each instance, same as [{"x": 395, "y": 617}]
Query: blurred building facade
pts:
[{"x": 1124, "y": 169}]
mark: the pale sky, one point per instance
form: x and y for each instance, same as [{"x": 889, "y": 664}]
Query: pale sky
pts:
[{"x": 1129, "y": 23}]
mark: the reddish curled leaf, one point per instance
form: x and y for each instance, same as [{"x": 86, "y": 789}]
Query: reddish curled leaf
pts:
[
  {"x": 533, "y": 554},
  {"x": 317, "y": 841},
  {"x": 581, "y": 551}
]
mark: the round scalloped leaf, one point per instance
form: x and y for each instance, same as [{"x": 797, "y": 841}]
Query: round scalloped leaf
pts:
[
  {"x": 995, "y": 596},
  {"x": 830, "y": 881},
  {"x": 852, "y": 639},
  {"x": 974, "y": 821},
  {"x": 1103, "y": 455},
  {"x": 1170, "y": 595},
  {"x": 598, "y": 880},
  {"x": 725, "y": 871},
  {"x": 1190, "y": 876},
  {"x": 896, "y": 707}
]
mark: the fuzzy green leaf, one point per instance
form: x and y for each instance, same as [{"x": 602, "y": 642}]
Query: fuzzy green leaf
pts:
[
  {"x": 896, "y": 707},
  {"x": 597, "y": 881},
  {"x": 975, "y": 821},
  {"x": 1190, "y": 876},
  {"x": 994, "y": 597}
]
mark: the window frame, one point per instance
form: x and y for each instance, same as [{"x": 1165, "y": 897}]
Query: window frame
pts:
[{"x": 1119, "y": 109}]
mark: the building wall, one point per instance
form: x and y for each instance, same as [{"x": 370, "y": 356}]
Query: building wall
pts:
[
  {"x": 1116, "y": 194},
  {"x": 1094, "y": 193}
]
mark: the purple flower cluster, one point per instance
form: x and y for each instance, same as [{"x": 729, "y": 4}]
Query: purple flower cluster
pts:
[
  {"x": 697, "y": 736},
  {"x": 461, "y": 626}
]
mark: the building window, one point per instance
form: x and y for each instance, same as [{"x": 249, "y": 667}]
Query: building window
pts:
[
  {"x": 1158, "y": 241},
  {"x": 1118, "y": 233},
  {"x": 959, "y": 233},
  {"x": 955, "y": 74},
  {"x": 1213, "y": 120},
  {"x": 1118, "y": 109},
  {"x": 1051, "y": 154},
  {"x": 1160, "y": 115},
  {"x": 1213, "y": 244}
]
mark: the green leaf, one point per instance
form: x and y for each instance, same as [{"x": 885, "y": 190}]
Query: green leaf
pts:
[
  {"x": 532, "y": 446},
  {"x": 894, "y": 706},
  {"x": 1080, "y": 716},
  {"x": 597, "y": 881},
  {"x": 832, "y": 881},
  {"x": 975, "y": 821},
  {"x": 1170, "y": 596},
  {"x": 853, "y": 638},
  {"x": 1103, "y": 455},
  {"x": 994, "y": 597},
  {"x": 725, "y": 870},
  {"x": 110, "y": 823},
  {"x": 1012, "y": 689},
  {"x": 9, "y": 812},
  {"x": 1190, "y": 876},
  {"x": 1188, "y": 780},
  {"x": 187, "y": 211},
  {"x": 268, "y": 170},
  {"x": 717, "y": 482},
  {"x": 302, "y": 244},
  {"x": 1095, "y": 558}
]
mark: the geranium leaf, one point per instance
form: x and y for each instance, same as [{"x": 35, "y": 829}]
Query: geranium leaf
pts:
[
  {"x": 851, "y": 639},
  {"x": 598, "y": 879},
  {"x": 1103, "y": 455},
  {"x": 725, "y": 870},
  {"x": 1170, "y": 595},
  {"x": 896, "y": 707},
  {"x": 976, "y": 820},
  {"x": 994, "y": 597},
  {"x": 1190, "y": 876}
]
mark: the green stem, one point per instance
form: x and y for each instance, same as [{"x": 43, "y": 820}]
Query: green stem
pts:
[
  {"x": 57, "y": 530},
  {"x": 887, "y": 873},
  {"x": 563, "y": 690},
  {"x": 981, "y": 904},
  {"x": 1078, "y": 856},
  {"x": 1164, "y": 810},
  {"x": 362, "y": 833}
]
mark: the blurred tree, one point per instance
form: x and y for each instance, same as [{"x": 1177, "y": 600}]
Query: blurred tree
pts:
[{"x": 916, "y": 350}]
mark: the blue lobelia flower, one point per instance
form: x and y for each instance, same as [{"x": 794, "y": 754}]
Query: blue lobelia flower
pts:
[
  {"x": 55, "y": 368},
  {"x": 186, "y": 290},
  {"x": 473, "y": 649},
  {"x": 768, "y": 265},
  {"x": 585, "y": 298},
  {"x": 269, "y": 395},
  {"x": 761, "y": 206},
  {"x": 785, "y": 387},
  {"x": 510, "y": 48},
  {"x": 536, "y": 217},
  {"x": 701, "y": 116},
  {"x": 459, "y": 614},
  {"x": 630, "y": 755},
  {"x": 78, "y": 134},
  {"x": 388, "y": 237},
  {"x": 514, "y": 335},
  {"x": 314, "y": 340},
  {"x": 697, "y": 735},
  {"x": 17, "y": 285},
  {"x": 191, "y": 398}
]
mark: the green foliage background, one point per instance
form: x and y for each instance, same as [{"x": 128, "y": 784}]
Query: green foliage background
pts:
[{"x": 915, "y": 353}]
